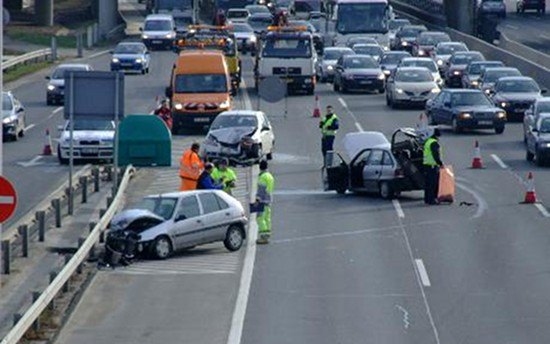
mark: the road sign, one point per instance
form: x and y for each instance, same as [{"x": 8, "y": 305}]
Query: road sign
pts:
[
  {"x": 272, "y": 89},
  {"x": 8, "y": 199}
]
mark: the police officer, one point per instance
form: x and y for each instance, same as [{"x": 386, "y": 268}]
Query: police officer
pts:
[
  {"x": 264, "y": 196},
  {"x": 329, "y": 126},
  {"x": 432, "y": 163}
]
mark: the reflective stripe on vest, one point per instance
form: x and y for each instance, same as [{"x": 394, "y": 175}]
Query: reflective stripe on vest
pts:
[
  {"x": 428, "y": 156},
  {"x": 326, "y": 124}
]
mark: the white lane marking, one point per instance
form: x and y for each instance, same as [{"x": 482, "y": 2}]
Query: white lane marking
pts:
[
  {"x": 513, "y": 27},
  {"x": 345, "y": 106},
  {"x": 29, "y": 127},
  {"x": 406, "y": 321},
  {"x": 246, "y": 97},
  {"x": 499, "y": 161},
  {"x": 239, "y": 312},
  {"x": 33, "y": 162},
  {"x": 423, "y": 273},
  {"x": 55, "y": 111},
  {"x": 332, "y": 235},
  {"x": 482, "y": 205},
  {"x": 398, "y": 208},
  {"x": 7, "y": 199},
  {"x": 542, "y": 209},
  {"x": 99, "y": 53},
  {"x": 544, "y": 36}
]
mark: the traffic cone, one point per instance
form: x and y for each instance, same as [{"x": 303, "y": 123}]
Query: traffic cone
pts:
[
  {"x": 530, "y": 195},
  {"x": 476, "y": 161},
  {"x": 47, "y": 144},
  {"x": 316, "y": 109}
]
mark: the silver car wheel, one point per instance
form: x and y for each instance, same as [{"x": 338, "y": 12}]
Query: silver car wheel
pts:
[
  {"x": 234, "y": 238},
  {"x": 163, "y": 248}
]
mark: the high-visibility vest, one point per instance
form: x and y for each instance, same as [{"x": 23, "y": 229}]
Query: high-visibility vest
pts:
[
  {"x": 428, "y": 156},
  {"x": 326, "y": 124},
  {"x": 224, "y": 177},
  {"x": 266, "y": 184},
  {"x": 191, "y": 165}
]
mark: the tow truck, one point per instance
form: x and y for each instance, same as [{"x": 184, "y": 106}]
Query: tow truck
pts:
[
  {"x": 218, "y": 38},
  {"x": 287, "y": 52}
]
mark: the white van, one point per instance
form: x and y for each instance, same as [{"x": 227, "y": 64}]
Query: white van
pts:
[{"x": 159, "y": 30}]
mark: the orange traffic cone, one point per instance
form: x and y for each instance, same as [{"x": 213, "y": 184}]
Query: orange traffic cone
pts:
[
  {"x": 530, "y": 195},
  {"x": 476, "y": 161},
  {"x": 316, "y": 109},
  {"x": 47, "y": 144}
]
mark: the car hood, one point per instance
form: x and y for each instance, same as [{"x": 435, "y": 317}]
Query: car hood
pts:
[
  {"x": 121, "y": 220},
  {"x": 232, "y": 135},
  {"x": 242, "y": 35},
  {"x": 127, "y": 56},
  {"x": 476, "y": 108},
  {"x": 517, "y": 96},
  {"x": 363, "y": 71},
  {"x": 416, "y": 86},
  {"x": 88, "y": 135}
]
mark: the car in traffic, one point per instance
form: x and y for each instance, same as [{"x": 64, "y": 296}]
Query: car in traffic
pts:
[
  {"x": 426, "y": 42},
  {"x": 257, "y": 9},
  {"x": 132, "y": 56},
  {"x": 358, "y": 73},
  {"x": 406, "y": 36},
  {"x": 425, "y": 62},
  {"x": 13, "y": 117},
  {"x": 158, "y": 31},
  {"x": 471, "y": 75},
  {"x": 412, "y": 86},
  {"x": 259, "y": 22},
  {"x": 540, "y": 106},
  {"x": 492, "y": 7},
  {"x": 393, "y": 26},
  {"x": 318, "y": 41},
  {"x": 516, "y": 94},
  {"x": 55, "y": 90},
  {"x": 183, "y": 19},
  {"x": 245, "y": 37},
  {"x": 93, "y": 140},
  {"x": 390, "y": 60},
  {"x": 537, "y": 5},
  {"x": 373, "y": 50},
  {"x": 538, "y": 140},
  {"x": 489, "y": 76},
  {"x": 170, "y": 222},
  {"x": 457, "y": 64},
  {"x": 237, "y": 15},
  {"x": 242, "y": 136},
  {"x": 360, "y": 40},
  {"x": 325, "y": 64},
  {"x": 370, "y": 163},
  {"x": 465, "y": 109},
  {"x": 443, "y": 51}
]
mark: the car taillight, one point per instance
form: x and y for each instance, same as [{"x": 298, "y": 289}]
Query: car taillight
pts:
[{"x": 398, "y": 173}]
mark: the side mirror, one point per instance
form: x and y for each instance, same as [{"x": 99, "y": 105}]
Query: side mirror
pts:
[
  {"x": 111, "y": 52},
  {"x": 180, "y": 217},
  {"x": 20, "y": 109},
  {"x": 168, "y": 92},
  {"x": 447, "y": 104},
  {"x": 140, "y": 29},
  {"x": 543, "y": 91}
]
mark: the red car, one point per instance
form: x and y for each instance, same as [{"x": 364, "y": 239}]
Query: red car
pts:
[{"x": 538, "y": 5}]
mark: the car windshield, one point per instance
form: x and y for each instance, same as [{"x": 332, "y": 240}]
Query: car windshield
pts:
[
  {"x": 432, "y": 39},
  {"x": 397, "y": 23},
  {"x": 231, "y": 121},
  {"x": 409, "y": 32},
  {"x": 420, "y": 63},
  {"x": 360, "y": 62},
  {"x": 287, "y": 47},
  {"x": 237, "y": 14},
  {"x": 6, "y": 102},
  {"x": 307, "y": 6},
  {"x": 201, "y": 83},
  {"x": 183, "y": 21},
  {"x": 493, "y": 76},
  {"x": 470, "y": 99},
  {"x": 157, "y": 25},
  {"x": 161, "y": 206},
  {"x": 517, "y": 86},
  {"x": 545, "y": 126},
  {"x": 259, "y": 23},
  {"x": 128, "y": 49},
  {"x": 92, "y": 124},
  {"x": 59, "y": 73},
  {"x": 448, "y": 49},
  {"x": 368, "y": 50},
  {"x": 476, "y": 68},
  {"x": 333, "y": 54},
  {"x": 465, "y": 59},
  {"x": 543, "y": 107},
  {"x": 393, "y": 59},
  {"x": 413, "y": 76},
  {"x": 242, "y": 28}
]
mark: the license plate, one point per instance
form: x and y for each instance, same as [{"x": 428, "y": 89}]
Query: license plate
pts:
[
  {"x": 157, "y": 41},
  {"x": 485, "y": 122},
  {"x": 126, "y": 64},
  {"x": 201, "y": 120},
  {"x": 417, "y": 99},
  {"x": 365, "y": 82},
  {"x": 90, "y": 150},
  {"x": 288, "y": 81}
]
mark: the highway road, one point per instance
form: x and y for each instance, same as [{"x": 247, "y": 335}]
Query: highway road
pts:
[{"x": 528, "y": 28}]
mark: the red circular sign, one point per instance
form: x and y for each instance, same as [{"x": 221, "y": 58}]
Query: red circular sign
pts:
[{"x": 8, "y": 199}]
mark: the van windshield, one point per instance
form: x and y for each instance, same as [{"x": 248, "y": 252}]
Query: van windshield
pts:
[
  {"x": 157, "y": 25},
  {"x": 201, "y": 83}
]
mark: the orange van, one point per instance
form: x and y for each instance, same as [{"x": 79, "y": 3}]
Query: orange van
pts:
[{"x": 200, "y": 88}]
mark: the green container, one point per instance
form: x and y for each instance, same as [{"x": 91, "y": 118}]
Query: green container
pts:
[{"x": 144, "y": 140}]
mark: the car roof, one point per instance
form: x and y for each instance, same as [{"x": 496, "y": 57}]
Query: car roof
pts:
[
  {"x": 178, "y": 194},
  {"x": 417, "y": 59},
  {"x": 355, "y": 142},
  {"x": 131, "y": 43},
  {"x": 516, "y": 78},
  {"x": 413, "y": 68},
  {"x": 471, "y": 52},
  {"x": 500, "y": 69},
  {"x": 234, "y": 9},
  {"x": 373, "y": 45},
  {"x": 73, "y": 65},
  {"x": 487, "y": 62},
  {"x": 260, "y": 14},
  {"x": 338, "y": 49}
]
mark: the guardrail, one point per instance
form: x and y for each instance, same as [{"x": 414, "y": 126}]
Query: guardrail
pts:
[
  {"x": 49, "y": 294},
  {"x": 25, "y": 58}
]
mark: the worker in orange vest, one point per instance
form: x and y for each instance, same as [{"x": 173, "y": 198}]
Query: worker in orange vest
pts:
[{"x": 191, "y": 167}]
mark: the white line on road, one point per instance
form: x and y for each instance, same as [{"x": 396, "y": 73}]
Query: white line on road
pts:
[
  {"x": 246, "y": 97},
  {"x": 398, "y": 208},
  {"x": 542, "y": 209},
  {"x": 482, "y": 205},
  {"x": 29, "y": 127},
  {"x": 99, "y": 53},
  {"x": 422, "y": 272},
  {"x": 357, "y": 124},
  {"x": 55, "y": 111},
  {"x": 336, "y": 234},
  {"x": 499, "y": 161},
  {"x": 544, "y": 36},
  {"x": 513, "y": 27}
]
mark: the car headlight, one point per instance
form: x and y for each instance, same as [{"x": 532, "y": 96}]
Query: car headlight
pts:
[
  {"x": 106, "y": 142},
  {"x": 178, "y": 106},
  {"x": 381, "y": 76},
  {"x": 115, "y": 60},
  {"x": 501, "y": 115},
  {"x": 399, "y": 90},
  {"x": 170, "y": 35},
  {"x": 386, "y": 48},
  {"x": 51, "y": 87},
  {"x": 387, "y": 72},
  {"x": 421, "y": 53},
  {"x": 487, "y": 91},
  {"x": 435, "y": 90},
  {"x": 440, "y": 62},
  {"x": 9, "y": 119},
  {"x": 503, "y": 104},
  {"x": 404, "y": 43},
  {"x": 475, "y": 83},
  {"x": 144, "y": 36},
  {"x": 225, "y": 105},
  {"x": 456, "y": 72},
  {"x": 139, "y": 60},
  {"x": 330, "y": 68},
  {"x": 465, "y": 115},
  {"x": 545, "y": 144},
  {"x": 253, "y": 39}
]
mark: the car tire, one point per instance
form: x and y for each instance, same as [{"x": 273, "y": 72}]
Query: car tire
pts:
[
  {"x": 343, "y": 89},
  {"x": 143, "y": 71},
  {"x": 529, "y": 156},
  {"x": 49, "y": 102},
  {"x": 385, "y": 190},
  {"x": 336, "y": 87},
  {"x": 454, "y": 125},
  {"x": 388, "y": 102},
  {"x": 62, "y": 161},
  {"x": 147, "y": 70},
  {"x": 381, "y": 90},
  {"x": 341, "y": 191},
  {"x": 234, "y": 238},
  {"x": 162, "y": 247},
  {"x": 499, "y": 130},
  {"x": 539, "y": 160}
]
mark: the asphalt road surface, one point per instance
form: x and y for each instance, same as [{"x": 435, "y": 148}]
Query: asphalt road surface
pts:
[{"x": 528, "y": 28}]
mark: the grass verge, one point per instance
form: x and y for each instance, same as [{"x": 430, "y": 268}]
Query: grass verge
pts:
[
  {"x": 18, "y": 72},
  {"x": 41, "y": 38}
]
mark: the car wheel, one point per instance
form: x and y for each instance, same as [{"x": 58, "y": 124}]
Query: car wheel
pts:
[
  {"x": 529, "y": 156},
  {"x": 386, "y": 191},
  {"x": 341, "y": 191},
  {"x": 336, "y": 87},
  {"x": 431, "y": 119},
  {"x": 62, "y": 161},
  {"x": 234, "y": 238},
  {"x": 499, "y": 130},
  {"x": 387, "y": 99},
  {"x": 539, "y": 159},
  {"x": 162, "y": 247},
  {"x": 455, "y": 126},
  {"x": 381, "y": 90},
  {"x": 143, "y": 71}
]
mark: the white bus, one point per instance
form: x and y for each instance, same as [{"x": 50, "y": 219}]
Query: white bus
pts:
[{"x": 367, "y": 18}]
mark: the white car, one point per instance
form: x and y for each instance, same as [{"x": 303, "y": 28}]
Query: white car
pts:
[
  {"x": 242, "y": 136},
  {"x": 325, "y": 65},
  {"x": 411, "y": 86},
  {"x": 13, "y": 117},
  {"x": 425, "y": 62},
  {"x": 93, "y": 139}
]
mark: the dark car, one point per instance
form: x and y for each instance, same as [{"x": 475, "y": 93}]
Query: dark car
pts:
[
  {"x": 374, "y": 50},
  {"x": 426, "y": 41},
  {"x": 390, "y": 60},
  {"x": 470, "y": 78},
  {"x": 260, "y": 21},
  {"x": 490, "y": 76},
  {"x": 406, "y": 36},
  {"x": 538, "y": 140},
  {"x": 393, "y": 26},
  {"x": 540, "y": 106},
  {"x": 465, "y": 109},
  {"x": 458, "y": 63},
  {"x": 183, "y": 20},
  {"x": 537, "y": 5},
  {"x": 516, "y": 94},
  {"x": 492, "y": 7},
  {"x": 358, "y": 72},
  {"x": 443, "y": 52}
]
